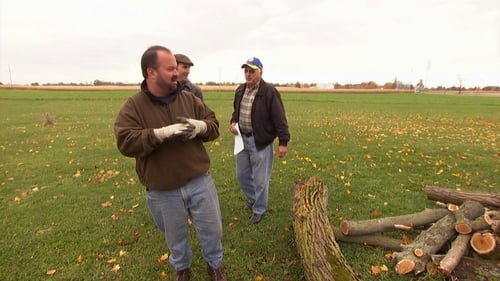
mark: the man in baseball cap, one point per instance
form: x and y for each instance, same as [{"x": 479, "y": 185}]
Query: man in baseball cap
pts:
[
  {"x": 259, "y": 118},
  {"x": 253, "y": 63}
]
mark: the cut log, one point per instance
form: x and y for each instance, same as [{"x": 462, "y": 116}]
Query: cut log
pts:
[
  {"x": 320, "y": 254},
  {"x": 459, "y": 248},
  {"x": 432, "y": 240},
  {"x": 371, "y": 240},
  {"x": 463, "y": 225},
  {"x": 479, "y": 224},
  {"x": 483, "y": 243},
  {"x": 448, "y": 195},
  {"x": 365, "y": 227},
  {"x": 476, "y": 269},
  {"x": 492, "y": 217}
]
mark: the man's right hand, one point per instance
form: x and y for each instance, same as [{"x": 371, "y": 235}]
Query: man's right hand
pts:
[
  {"x": 182, "y": 130},
  {"x": 232, "y": 128}
]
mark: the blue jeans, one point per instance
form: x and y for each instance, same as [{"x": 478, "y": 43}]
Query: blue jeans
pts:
[
  {"x": 253, "y": 170},
  {"x": 172, "y": 208}
]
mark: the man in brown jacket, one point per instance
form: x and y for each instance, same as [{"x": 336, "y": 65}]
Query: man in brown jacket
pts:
[{"x": 163, "y": 127}]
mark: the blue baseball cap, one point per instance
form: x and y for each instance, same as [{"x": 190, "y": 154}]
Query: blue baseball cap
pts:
[{"x": 253, "y": 63}]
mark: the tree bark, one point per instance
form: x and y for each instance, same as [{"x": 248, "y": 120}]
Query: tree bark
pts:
[
  {"x": 458, "y": 249},
  {"x": 476, "y": 269},
  {"x": 431, "y": 240},
  {"x": 423, "y": 218},
  {"x": 372, "y": 240},
  {"x": 448, "y": 195},
  {"x": 320, "y": 254}
]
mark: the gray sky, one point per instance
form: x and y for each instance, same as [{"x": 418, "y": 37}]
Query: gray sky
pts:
[{"x": 321, "y": 41}]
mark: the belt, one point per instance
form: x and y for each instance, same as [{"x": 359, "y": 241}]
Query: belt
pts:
[{"x": 247, "y": 134}]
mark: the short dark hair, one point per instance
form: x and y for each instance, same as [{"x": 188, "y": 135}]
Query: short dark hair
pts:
[{"x": 150, "y": 58}]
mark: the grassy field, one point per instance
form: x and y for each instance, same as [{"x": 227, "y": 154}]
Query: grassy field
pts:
[{"x": 71, "y": 207}]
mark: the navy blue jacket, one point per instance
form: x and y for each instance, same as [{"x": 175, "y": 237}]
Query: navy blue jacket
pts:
[{"x": 268, "y": 115}]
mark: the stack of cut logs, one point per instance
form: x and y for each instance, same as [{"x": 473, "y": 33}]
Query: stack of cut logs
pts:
[{"x": 468, "y": 219}]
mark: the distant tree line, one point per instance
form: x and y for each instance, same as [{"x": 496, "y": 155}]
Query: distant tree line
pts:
[{"x": 371, "y": 85}]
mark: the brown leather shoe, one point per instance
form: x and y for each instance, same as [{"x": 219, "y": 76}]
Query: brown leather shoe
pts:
[
  {"x": 183, "y": 275},
  {"x": 217, "y": 274}
]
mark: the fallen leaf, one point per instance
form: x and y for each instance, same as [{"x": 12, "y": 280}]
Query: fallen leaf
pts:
[
  {"x": 406, "y": 240},
  {"x": 376, "y": 213},
  {"x": 163, "y": 258},
  {"x": 50, "y": 272},
  {"x": 115, "y": 268},
  {"x": 106, "y": 204}
]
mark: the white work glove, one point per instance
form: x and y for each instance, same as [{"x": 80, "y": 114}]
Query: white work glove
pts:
[
  {"x": 182, "y": 130},
  {"x": 200, "y": 127}
]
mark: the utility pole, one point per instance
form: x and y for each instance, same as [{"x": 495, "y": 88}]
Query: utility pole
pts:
[
  {"x": 427, "y": 72},
  {"x": 10, "y": 75}
]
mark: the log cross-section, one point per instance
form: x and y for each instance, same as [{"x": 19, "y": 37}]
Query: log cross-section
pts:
[{"x": 320, "y": 254}]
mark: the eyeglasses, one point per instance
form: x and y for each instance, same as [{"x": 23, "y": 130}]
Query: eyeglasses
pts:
[{"x": 251, "y": 71}]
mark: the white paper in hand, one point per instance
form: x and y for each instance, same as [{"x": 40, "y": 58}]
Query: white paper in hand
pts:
[{"x": 238, "y": 141}]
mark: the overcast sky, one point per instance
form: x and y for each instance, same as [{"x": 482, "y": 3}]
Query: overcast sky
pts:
[{"x": 315, "y": 41}]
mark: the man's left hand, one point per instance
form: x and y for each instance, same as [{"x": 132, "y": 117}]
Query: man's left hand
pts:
[{"x": 200, "y": 127}]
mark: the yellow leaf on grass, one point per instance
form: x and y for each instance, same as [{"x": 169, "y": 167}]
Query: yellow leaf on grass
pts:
[
  {"x": 163, "y": 258},
  {"x": 376, "y": 213},
  {"x": 50, "y": 272},
  {"x": 259, "y": 277},
  {"x": 406, "y": 240},
  {"x": 79, "y": 259},
  {"x": 106, "y": 204},
  {"x": 375, "y": 270},
  {"x": 115, "y": 268},
  {"x": 113, "y": 260}
]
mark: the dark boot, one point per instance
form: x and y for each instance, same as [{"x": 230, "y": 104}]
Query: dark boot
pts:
[
  {"x": 217, "y": 274},
  {"x": 183, "y": 275}
]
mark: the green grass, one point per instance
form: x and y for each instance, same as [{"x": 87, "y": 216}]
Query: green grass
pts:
[{"x": 375, "y": 152}]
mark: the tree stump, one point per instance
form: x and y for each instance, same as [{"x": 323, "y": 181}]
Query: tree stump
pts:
[{"x": 320, "y": 254}]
